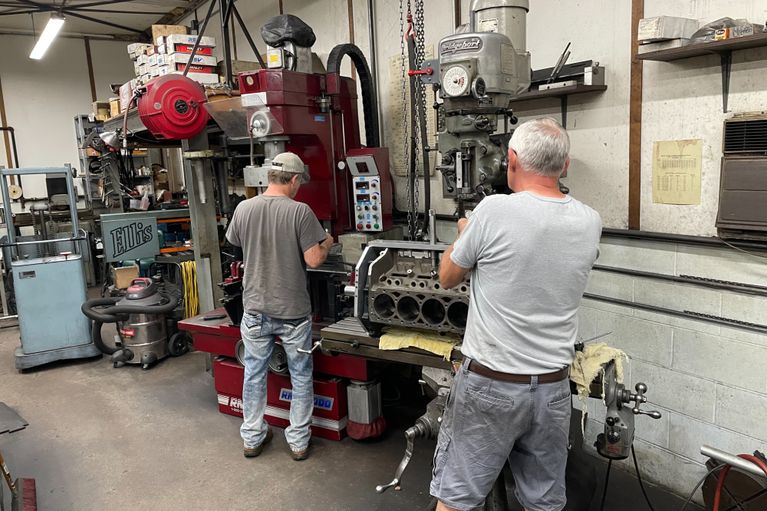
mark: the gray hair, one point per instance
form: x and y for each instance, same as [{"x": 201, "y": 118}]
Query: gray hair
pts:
[
  {"x": 280, "y": 177},
  {"x": 542, "y": 146}
]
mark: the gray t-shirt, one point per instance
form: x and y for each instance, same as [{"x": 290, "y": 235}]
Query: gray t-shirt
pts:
[
  {"x": 530, "y": 258},
  {"x": 274, "y": 232}
]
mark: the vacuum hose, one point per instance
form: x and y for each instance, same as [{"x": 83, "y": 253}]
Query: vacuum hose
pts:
[
  {"x": 369, "y": 100},
  {"x": 109, "y": 313}
]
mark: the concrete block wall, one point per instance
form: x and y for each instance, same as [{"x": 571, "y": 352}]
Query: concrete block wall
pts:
[{"x": 709, "y": 381}]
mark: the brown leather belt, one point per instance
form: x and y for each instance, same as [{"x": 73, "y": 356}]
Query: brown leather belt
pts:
[{"x": 476, "y": 367}]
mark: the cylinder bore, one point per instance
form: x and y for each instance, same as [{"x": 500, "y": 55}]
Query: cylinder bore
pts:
[
  {"x": 407, "y": 308},
  {"x": 457, "y": 313},
  {"x": 384, "y": 306},
  {"x": 433, "y": 311}
]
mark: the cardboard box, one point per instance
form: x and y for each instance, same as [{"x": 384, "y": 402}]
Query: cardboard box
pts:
[
  {"x": 189, "y": 40},
  {"x": 661, "y": 28},
  {"x": 663, "y": 45},
  {"x": 124, "y": 275},
  {"x": 159, "y": 31},
  {"x": 136, "y": 49},
  {"x": 192, "y": 68},
  {"x": 114, "y": 107},
  {"x": 183, "y": 58},
  {"x": 126, "y": 95},
  {"x": 184, "y": 48},
  {"x": 101, "y": 110},
  {"x": 203, "y": 78}
]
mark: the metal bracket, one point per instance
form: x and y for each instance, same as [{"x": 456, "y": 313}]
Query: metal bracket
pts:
[{"x": 726, "y": 58}]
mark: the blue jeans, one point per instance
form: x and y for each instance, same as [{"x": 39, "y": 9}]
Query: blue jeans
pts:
[{"x": 259, "y": 333}]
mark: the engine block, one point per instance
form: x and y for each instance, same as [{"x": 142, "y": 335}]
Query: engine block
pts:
[{"x": 404, "y": 290}]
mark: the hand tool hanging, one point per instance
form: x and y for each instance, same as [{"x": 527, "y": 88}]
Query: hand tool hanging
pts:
[{"x": 414, "y": 38}]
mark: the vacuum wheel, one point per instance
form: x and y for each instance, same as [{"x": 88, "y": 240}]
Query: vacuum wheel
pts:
[{"x": 179, "y": 344}]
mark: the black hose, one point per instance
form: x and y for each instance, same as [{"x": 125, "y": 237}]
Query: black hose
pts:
[
  {"x": 110, "y": 314},
  {"x": 98, "y": 341},
  {"x": 369, "y": 100}
]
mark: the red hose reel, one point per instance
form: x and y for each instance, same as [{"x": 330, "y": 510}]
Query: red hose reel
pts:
[{"x": 172, "y": 107}]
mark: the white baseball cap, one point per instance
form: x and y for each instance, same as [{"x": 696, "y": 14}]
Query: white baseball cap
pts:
[{"x": 291, "y": 163}]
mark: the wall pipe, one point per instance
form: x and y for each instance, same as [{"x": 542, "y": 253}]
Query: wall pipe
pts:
[{"x": 10, "y": 130}]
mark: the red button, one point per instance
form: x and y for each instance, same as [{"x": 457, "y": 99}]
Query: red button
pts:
[
  {"x": 359, "y": 226},
  {"x": 368, "y": 226}
]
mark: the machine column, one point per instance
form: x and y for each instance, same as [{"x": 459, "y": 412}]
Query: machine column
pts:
[{"x": 198, "y": 177}]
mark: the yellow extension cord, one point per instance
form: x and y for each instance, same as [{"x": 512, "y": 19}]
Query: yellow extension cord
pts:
[{"x": 191, "y": 297}]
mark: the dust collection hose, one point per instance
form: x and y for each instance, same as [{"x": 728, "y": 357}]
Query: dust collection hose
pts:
[
  {"x": 109, "y": 314},
  {"x": 369, "y": 100}
]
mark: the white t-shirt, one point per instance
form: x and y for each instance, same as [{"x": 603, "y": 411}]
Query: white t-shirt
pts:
[{"x": 530, "y": 258}]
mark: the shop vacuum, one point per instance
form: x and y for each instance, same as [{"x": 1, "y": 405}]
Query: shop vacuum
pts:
[{"x": 141, "y": 317}]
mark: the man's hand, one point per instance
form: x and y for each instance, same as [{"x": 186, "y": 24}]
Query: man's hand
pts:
[{"x": 327, "y": 242}]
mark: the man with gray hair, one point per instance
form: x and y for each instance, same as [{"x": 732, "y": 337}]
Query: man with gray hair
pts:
[
  {"x": 279, "y": 238},
  {"x": 529, "y": 255}
]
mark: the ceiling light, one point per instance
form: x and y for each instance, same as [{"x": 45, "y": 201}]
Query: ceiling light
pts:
[{"x": 46, "y": 38}]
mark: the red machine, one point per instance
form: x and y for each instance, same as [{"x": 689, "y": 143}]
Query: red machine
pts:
[
  {"x": 219, "y": 337},
  {"x": 172, "y": 107},
  {"x": 319, "y": 120}
]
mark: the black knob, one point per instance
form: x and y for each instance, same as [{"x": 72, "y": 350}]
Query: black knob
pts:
[
  {"x": 613, "y": 437},
  {"x": 611, "y": 421}
]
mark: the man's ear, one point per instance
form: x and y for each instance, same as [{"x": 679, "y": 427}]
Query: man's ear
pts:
[
  {"x": 567, "y": 165},
  {"x": 513, "y": 161}
]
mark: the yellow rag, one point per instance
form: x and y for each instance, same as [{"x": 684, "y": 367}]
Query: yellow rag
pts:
[
  {"x": 398, "y": 338},
  {"x": 590, "y": 363}
]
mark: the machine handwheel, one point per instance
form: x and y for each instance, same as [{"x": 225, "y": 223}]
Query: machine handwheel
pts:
[{"x": 178, "y": 344}]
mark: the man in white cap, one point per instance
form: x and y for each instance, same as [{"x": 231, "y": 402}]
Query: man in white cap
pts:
[{"x": 279, "y": 238}]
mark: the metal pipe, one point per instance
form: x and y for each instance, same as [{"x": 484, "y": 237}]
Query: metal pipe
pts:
[
  {"x": 753, "y": 327},
  {"x": 246, "y": 32},
  {"x": 373, "y": 59},
  {"x": 199, "y": 35},
  {"x": 679, "y": 238},
  {"x": 13, "y": 143},
  {"x": 687, "y": 279},
  {"x": 732, "y": 460},
  {"x": 225, "y": 10}
]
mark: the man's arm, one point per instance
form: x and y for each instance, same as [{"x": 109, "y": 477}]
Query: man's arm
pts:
[
  {"x": 451, "y": 274},
  {"x": 316, "y": 255}
]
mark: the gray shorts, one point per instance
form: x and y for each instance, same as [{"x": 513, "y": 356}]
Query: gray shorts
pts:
[{"x": 487, "y": 422}]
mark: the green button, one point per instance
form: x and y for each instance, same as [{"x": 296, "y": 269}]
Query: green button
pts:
[{"x": 376, "y": 226}]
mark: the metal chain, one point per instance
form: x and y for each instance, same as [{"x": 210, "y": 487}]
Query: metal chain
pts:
[
  {"x": 420, "y": 56},
  {"x": 404, "y": 116}
]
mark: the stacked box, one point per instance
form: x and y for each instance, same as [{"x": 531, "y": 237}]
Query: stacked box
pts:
[{"x": 171, "y": 55}]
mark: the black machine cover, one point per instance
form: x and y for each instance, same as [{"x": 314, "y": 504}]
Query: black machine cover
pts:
[{"x": 279, "y": 29}]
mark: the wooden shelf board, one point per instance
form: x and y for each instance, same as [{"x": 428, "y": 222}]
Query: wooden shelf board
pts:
[{"x": 708, "y": 48}]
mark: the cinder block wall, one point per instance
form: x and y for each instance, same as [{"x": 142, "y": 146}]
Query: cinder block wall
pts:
[{"x": 708, "y": 380}]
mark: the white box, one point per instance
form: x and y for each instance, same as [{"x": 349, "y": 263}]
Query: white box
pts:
[
  {"x": 660, "y": 28},
  {"x": 142, "y": 59},
  {"x": 183, "y": 58},
  {"x": 143, "y": 69},
  {"x": 152, "y": 60},
  {"x": 161, "y": 59},
  {"x": 663, "y": 45},
  {"x": 169, "y": 40},
  {"x": 154, "y": 71},
  {"x": 204, "y": 78}
]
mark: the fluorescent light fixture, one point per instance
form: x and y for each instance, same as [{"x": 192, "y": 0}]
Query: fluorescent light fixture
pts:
[{"x": 46, "y": 38}]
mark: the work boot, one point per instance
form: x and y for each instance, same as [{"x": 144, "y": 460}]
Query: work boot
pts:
[
  {"x": 300, "y": 455},
  {"x": 252, "y": 452}
]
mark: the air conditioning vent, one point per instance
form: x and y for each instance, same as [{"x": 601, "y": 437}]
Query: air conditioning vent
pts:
[{"x": 745, "y": 136}]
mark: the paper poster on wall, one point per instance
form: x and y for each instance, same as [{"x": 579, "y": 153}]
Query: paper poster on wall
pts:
[{"x": 676, "y": 170}]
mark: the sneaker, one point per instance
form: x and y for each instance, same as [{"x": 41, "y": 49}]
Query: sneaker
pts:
[
  {"x": 300, "y": 455},
  {"x": 252, "y": 452}
]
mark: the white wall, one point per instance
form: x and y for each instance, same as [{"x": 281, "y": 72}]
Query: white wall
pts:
[{"x": 42, "y": 97}]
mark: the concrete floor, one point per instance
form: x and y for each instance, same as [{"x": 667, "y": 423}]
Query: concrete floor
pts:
[{"x": 105, "y": 438}]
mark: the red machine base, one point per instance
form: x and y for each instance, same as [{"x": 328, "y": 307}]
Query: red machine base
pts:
[{"x": 329, "y": 418}]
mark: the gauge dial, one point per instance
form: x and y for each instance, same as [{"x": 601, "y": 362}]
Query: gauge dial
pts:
[{"x": 455, "y": 82}]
